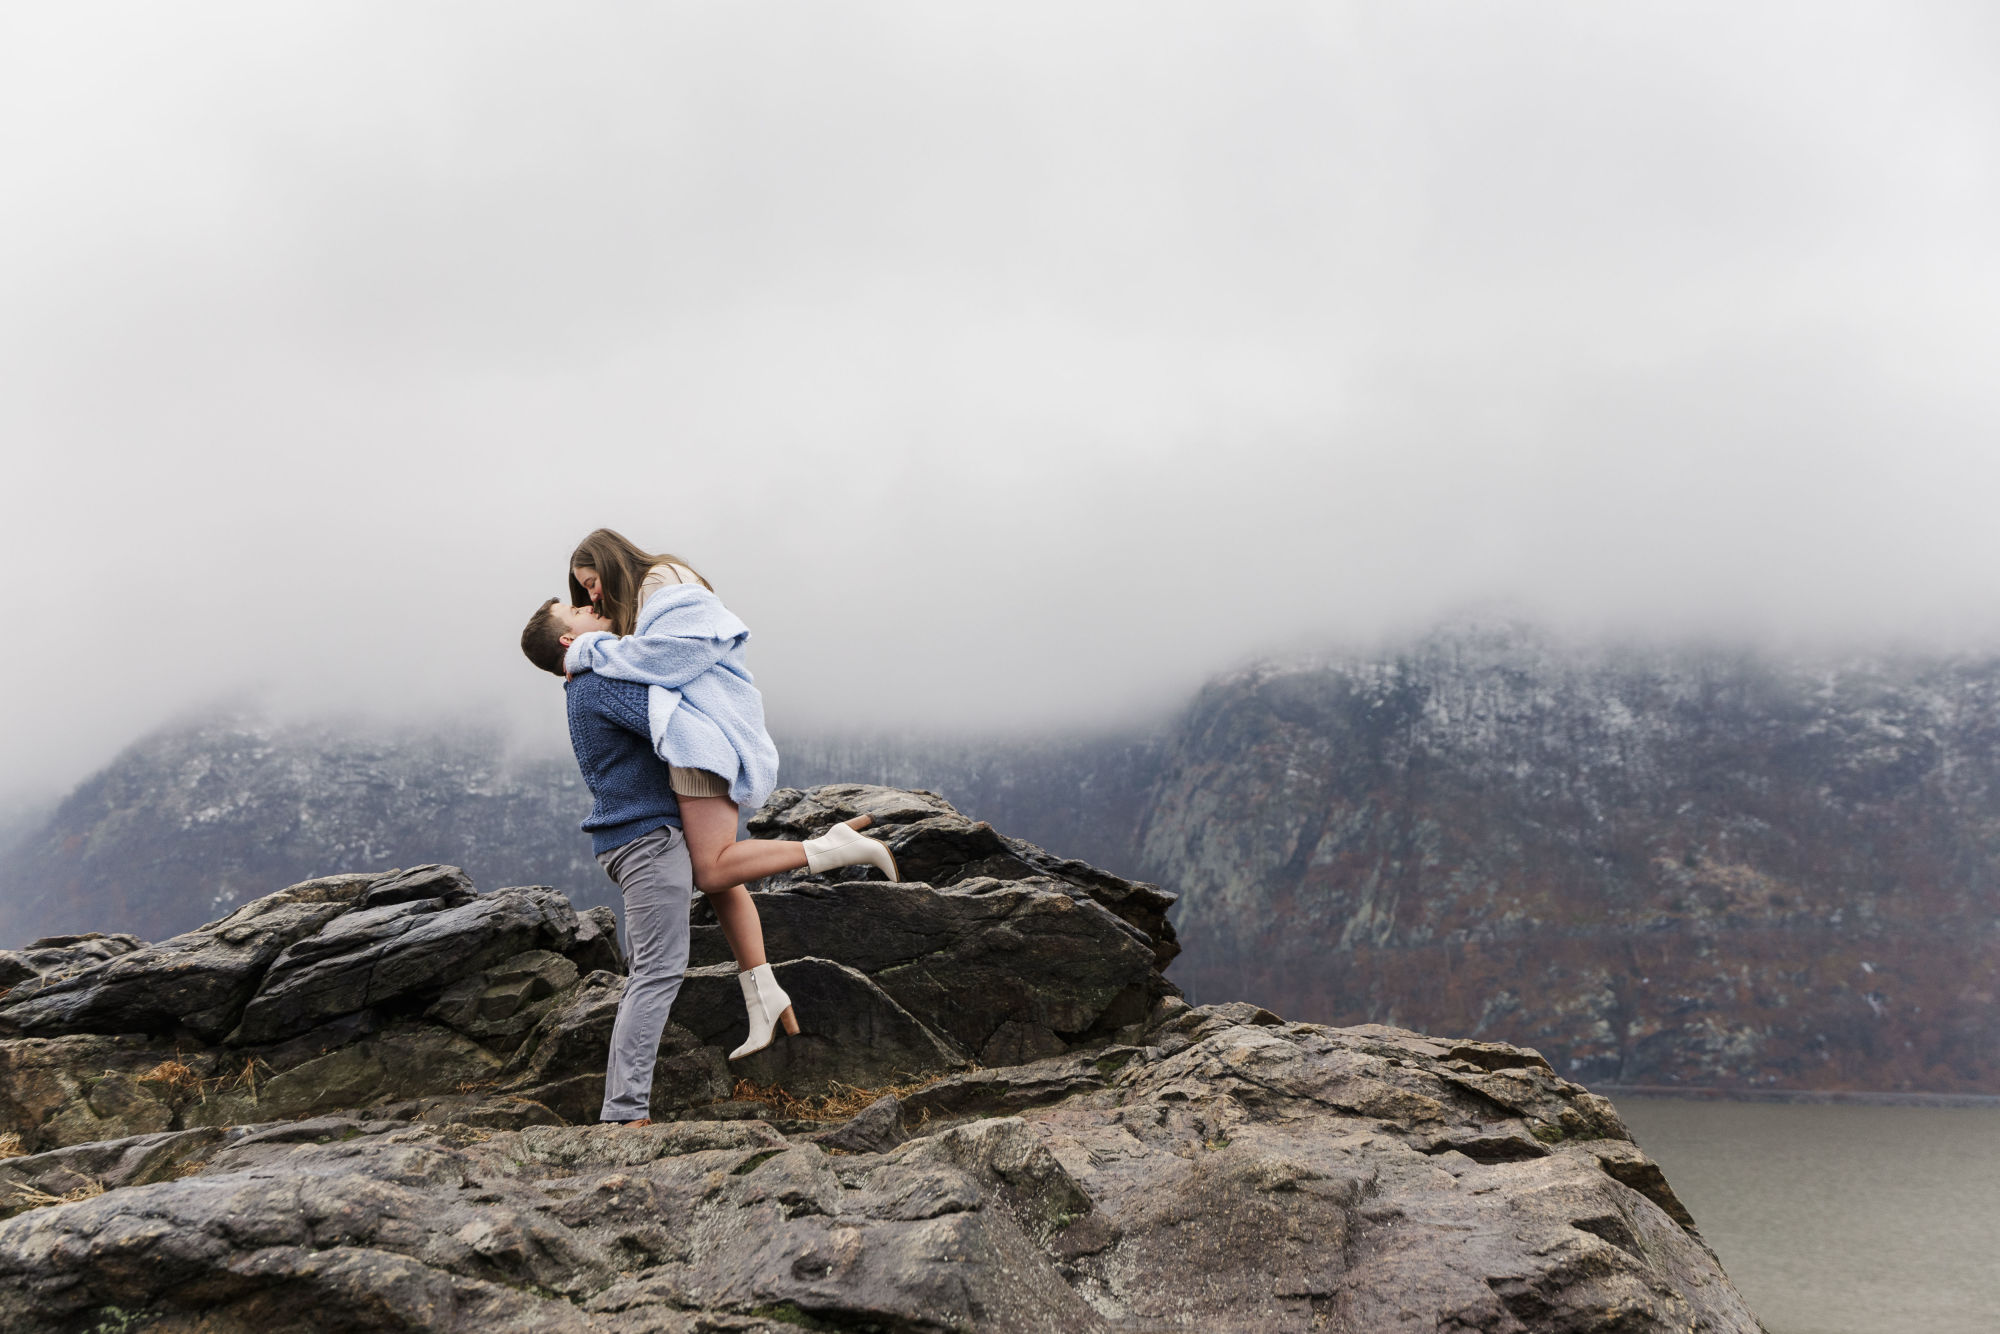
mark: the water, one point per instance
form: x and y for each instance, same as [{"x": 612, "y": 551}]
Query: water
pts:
[{"x": 1841, "y": 1219}]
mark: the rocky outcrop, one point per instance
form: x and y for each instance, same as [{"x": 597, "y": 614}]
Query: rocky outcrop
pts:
[
  {"x": 1231, "y": 1173},
  {"x": 353, "y": 1105},
  {"x": 354, "y": 991}
]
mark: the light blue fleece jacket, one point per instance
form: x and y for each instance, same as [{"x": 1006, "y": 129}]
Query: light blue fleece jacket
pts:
[{"x": 703, "y": 707}]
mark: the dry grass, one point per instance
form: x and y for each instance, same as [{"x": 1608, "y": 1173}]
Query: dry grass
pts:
[
  {"x": 476, "y": 1085},
  {"x": 41, "y": 1199},
  {"x": 181, "y": 1081},
  {"x": 176, "y": 1076},
  {"x": 837, "y": 1104},
  {"x": 10, "y": 1146},
  {"x": 246, "y": 1078}
]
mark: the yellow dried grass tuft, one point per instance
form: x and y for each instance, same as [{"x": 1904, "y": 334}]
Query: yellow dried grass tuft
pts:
[
  {"x": 30, "y": 1198},
  {"x": 10, "y": 1146},
  {"x": 175, "y": 1075}
]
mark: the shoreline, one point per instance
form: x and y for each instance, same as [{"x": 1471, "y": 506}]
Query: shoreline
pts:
[{"x": 1808, "y": 1096}]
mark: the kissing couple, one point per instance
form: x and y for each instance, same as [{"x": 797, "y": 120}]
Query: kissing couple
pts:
[{"x": 668, "y": 729}]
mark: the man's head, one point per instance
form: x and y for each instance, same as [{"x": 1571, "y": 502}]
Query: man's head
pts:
[{"x": 552, "y": 629}]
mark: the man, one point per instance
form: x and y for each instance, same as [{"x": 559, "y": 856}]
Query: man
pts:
[{"x": 635, "y": 831}]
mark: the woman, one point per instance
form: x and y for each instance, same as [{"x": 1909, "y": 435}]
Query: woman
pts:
[{"x": 670, "y": 632}]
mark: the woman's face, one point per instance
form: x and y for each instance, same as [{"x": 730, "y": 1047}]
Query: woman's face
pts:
[{"x": 588, "y": 578}]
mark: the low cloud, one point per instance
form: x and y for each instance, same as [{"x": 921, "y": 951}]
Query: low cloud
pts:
[{"x": 1006, "y": 367}]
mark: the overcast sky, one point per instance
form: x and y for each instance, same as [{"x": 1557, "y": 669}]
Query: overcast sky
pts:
[{"x": 1009, "y": 365}]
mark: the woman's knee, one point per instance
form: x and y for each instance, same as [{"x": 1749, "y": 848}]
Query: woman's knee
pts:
[{"x": 711, "y": 881}]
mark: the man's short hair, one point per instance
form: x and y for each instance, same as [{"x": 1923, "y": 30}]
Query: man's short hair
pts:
[{"x": 542, "y": 640}]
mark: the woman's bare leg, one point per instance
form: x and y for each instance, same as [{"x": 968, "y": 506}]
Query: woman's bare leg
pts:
[
  {"x": 722, "y": 864},
  {"x": 741, "y": 927},
  {"x": 720, "y": 859}
]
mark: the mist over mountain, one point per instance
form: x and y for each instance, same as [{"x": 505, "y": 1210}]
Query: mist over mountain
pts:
[{"x": 1658, "y": 865}]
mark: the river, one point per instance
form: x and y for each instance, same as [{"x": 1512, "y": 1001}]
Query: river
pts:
[{"x": 1841, "y": 1219}]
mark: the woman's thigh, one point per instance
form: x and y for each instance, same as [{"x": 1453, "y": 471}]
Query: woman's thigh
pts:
[{"x": 710, "y": 826}]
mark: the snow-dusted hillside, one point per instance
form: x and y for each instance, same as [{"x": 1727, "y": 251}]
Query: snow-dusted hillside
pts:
[{"x": 1658, "y": 867}]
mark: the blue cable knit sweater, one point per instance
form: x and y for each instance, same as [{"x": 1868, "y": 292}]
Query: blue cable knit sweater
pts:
[{"x": 613, "y": 741}]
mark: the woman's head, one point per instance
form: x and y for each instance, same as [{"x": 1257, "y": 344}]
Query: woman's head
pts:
[{"x": 606, "y": 570}]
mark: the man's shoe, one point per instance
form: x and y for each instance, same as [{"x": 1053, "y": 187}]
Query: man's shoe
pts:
[
  {"x": 841, "y": 846},
  {"x": 642, "y": 1121},
  {"x": 768, "y": 1005}
]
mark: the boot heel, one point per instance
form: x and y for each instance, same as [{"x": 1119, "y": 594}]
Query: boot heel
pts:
[{"x": 790, "y": 1021}]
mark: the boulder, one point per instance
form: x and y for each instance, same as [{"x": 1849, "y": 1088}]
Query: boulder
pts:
[
  {"x": 500, "y": 1005},
  {"x": 935, "y": 844},
  {"x": 399, "y": 952},
  {"x": 850, "y": 1031},
  {"x": 59, "y": 954},
  {"x": 198, "y": 981},
  {"x": 1007, "y": 970},
  {"x": 1232, "y": 1172}
]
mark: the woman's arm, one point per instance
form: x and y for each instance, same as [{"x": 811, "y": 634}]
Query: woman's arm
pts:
[{"x": 654, "y": 660}]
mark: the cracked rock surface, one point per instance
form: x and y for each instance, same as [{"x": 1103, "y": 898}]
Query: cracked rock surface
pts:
[{"x": 1120, "y": 1162}]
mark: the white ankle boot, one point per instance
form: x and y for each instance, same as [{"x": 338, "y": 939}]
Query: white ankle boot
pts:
[
  {"x": 841, "y": 846},
  {"x": 768, "y": 1005}
]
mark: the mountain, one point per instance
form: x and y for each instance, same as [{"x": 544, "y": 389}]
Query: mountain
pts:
[
  {"x": 193, "y": 820},
  {"x": 1656, "y": 867}
]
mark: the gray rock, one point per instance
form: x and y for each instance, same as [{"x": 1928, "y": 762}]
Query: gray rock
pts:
[
  {"x": 401, "y": 951},
  {"x": 500, "y": 1005},
  {"x": 30, "y": 1182},
  {"x": 596, "y": 946},
  {"x": 402, "y": 1062},
  {"x": 936, "y": 845},
  {"x": 198, "y": 981},
  {"x": 850, "y": 1031},
  {"x": 1018, "y": 967},
  {"x": 1263, "y": 1176},
  {"x": 60, "y": 954},
  {"x": 876, "y": 1128},
  {"x": 81, "y": 1088}
]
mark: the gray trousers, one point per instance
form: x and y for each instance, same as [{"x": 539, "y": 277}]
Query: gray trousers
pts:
[{"x": 657, "y": 879}]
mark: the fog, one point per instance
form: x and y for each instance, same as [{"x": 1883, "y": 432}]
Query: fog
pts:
[{"x": 1006, "y": 367}]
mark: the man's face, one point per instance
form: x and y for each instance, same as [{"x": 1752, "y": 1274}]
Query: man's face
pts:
[{"x": 577, "y": 620}]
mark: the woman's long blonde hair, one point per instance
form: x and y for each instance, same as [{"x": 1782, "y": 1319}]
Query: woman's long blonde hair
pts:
[{"x": 621, "y": 568}]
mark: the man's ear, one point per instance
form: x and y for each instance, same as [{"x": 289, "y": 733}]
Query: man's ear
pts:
[{"x": 566, "y": 640}]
